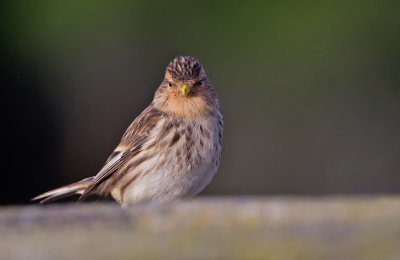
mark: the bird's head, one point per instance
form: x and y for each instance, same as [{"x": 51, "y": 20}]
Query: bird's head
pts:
[
  {"x": 186, "y": 90},
  {"x": 185, "y": 75}
]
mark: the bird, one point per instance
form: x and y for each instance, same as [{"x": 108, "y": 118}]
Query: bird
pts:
[{"x": 171, "y": 151}]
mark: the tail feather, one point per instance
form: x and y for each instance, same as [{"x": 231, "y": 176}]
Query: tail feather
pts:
[{"x": 64, "y": 191}]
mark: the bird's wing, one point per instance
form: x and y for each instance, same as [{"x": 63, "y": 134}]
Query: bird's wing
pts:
[{"x": 130, "y": 145}]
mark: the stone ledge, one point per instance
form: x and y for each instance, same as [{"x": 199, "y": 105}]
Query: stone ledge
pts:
[{"x": 334, "y": 227}]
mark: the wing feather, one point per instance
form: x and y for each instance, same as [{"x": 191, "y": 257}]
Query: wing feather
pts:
[{"x": 130, "y": 145}]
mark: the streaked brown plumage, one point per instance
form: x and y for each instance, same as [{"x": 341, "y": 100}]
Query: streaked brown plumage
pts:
[{"x": 170, "y": 151}]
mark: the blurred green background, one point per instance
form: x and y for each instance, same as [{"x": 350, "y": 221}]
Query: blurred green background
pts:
[{"x": 310, "y": 90}]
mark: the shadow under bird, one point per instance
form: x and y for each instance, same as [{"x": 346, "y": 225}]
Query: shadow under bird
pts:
[{"x": 170, "y": 151}]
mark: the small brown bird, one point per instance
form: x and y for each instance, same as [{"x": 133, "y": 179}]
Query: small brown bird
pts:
[{"x": 170, "y": 151}]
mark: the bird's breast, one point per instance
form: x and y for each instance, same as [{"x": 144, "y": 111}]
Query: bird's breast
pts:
[{"x": 179, "y": 159}]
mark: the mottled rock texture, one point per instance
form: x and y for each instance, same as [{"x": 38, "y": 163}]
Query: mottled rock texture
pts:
[{"x": 336, "y": 227}]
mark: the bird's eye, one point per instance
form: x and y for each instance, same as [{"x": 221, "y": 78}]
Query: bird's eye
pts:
[
  {"x": 199, "y": 83},
  {"x": 170, "y": 84}
]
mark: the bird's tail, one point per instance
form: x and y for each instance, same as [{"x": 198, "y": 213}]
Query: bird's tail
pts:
[{"x": 64, "y": 191}]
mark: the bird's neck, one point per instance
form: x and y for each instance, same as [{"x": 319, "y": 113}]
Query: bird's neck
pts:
[{"x": 194, "y": 107}]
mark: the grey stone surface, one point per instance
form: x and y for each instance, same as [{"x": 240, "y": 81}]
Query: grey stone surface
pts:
[{"x": 206, "y": 228}]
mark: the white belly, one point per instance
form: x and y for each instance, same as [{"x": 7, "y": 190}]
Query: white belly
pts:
[{"x": 168, "y": 183}]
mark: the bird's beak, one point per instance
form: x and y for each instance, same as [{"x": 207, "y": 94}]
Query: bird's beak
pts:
[{"x": 185, "y": 90}]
